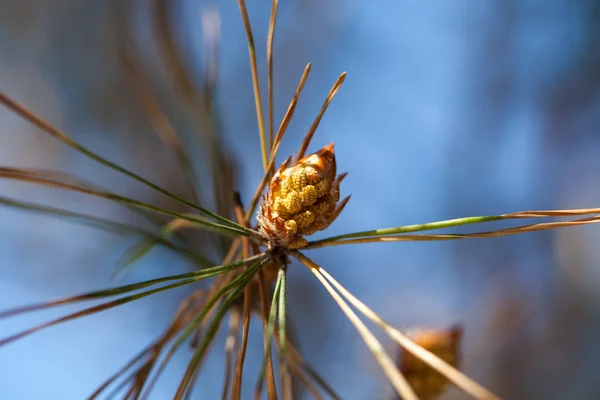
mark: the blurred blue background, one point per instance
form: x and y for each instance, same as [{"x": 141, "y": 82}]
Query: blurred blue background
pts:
[{"x": 449, "y": 109}]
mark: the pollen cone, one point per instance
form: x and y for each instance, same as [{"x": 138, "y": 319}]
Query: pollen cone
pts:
[{"x": 300, "y": 199}]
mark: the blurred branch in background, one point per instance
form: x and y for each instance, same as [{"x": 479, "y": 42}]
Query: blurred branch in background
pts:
[{"x": 487, "y": 109}]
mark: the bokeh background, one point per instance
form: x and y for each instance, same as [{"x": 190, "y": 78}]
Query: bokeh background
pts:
[{"x": 449, "y": 109}]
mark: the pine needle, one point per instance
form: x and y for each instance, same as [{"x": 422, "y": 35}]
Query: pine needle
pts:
[
  {"x": 295, "y": 358},
  {"x": 389, "y": 368},
  {"x": 289, "y": 114},
  {"x": 93, "y": 310},
  {"x": 220, "y": 281},
  {"x": 222, "y": 172},
  {"x": 95, "y": 295},
  {"x": 456, "y": 236},
  {"x": 269, "y": 336},
  {"x": 105, "y": 224},
  {"x": 463, "y": 221},
  {"x": 33, "y": 176},
  {"x": 458, "y": 378},
  {"x": 270, "y": 37},
  {"x": 231, "y": 347},
  {"x": 239, "y": 366},
  {"x": 158, "y": 119},
  {"x": 117, "y": 374},
  {"x": 263, "y": 295},
  {"x": 301, "y": 376},
  {"x": 170, "y": 54},
  {"x": 241, "y": 282},
  {"x": 195, "y": 276},
  {"x": 140, "y": 249},
  {"x": 255, "y": 86},
  {"x": 286, "y": 384},
  {"x": 278, "y": 138},
  {"x": 236, "y": 385},
  {"x": 306, "y": 142},
  {"x": 183, "y": 316},
  {"x": 49, "y": 129}
]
